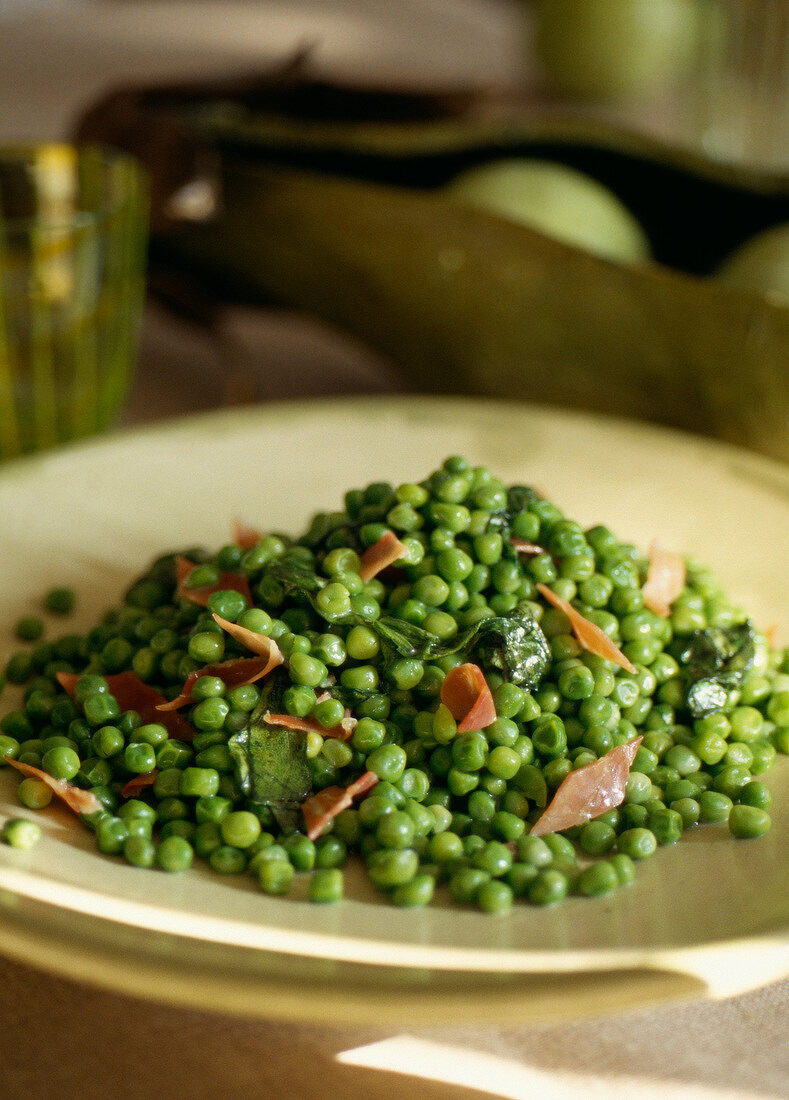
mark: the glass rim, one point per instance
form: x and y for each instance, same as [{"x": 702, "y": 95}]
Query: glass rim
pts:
[{"x": 137, "y": 194}]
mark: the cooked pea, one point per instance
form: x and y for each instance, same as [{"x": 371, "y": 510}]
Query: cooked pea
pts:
[
  {"x": 18, "y": 832},
  {"x": 638, "y": 843},
  {"x": 748, "y": 821}
]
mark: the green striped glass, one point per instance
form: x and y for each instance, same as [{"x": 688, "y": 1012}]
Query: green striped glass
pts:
[{"x": 73, "y": 232}]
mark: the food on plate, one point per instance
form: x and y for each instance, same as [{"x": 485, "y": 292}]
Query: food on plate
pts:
[
  {"x": 556, "y": 200},
  {"x": 449, "y": 680}
]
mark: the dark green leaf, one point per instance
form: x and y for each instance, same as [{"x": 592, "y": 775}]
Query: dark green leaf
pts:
[
  {"x": 513, "y": 645},
  {"x": 271, "y": 761},
  {"x": 716, "y": 660}
]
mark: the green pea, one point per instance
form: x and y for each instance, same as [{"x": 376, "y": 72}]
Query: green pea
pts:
[
  {"x": 60, "y": 601},
  {"x": 597, "y": 838},
  {"x": 748, "y": 821},
  {"x": 387, "y": 867},
  {"x": 174, "y": 854},
  {"x": 387, "y": 762},
  {"x": 465, "y": 883},
  {"x": 275, "y": 876},
  {"x": 548, "y": 887},
  {"x": 18, "y": 832},
  {"x": 598, "y": 880},
  {"x": 61, "y": 762},
  {"x": 139, "y": 851},
  {"x": 416, "y": 893},
  {"x": 638, "y": 843},
  {"x": 326, "y": 886}
]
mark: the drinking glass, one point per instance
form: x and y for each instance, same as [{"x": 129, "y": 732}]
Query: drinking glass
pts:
[{"x": 73, "y": 231}]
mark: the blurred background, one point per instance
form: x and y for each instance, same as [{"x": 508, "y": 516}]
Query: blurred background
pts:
[{"x": 706, "y": 80}]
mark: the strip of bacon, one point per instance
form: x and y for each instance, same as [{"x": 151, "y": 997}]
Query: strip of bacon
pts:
[
  {"x": 233, "y": 673},
  {"x": 133, "y": 694},
  {"x": 256, "y": 643},
  {"x": 665, "y": 580},
  {"x": 138, "y": 783},
  {"x": 341, "y": 732},
  {"x": 523, "y": 546},
  {"x": 589, "y": 635},
  {"x": 226, "y": 582},
  {"x": 589, "y": 791},
  {"x": 78, "y": 800},
  {"x": 245, "y": 536},
  {"x": 385, "y": 552},
  {"x": 321, "y": 808},
  {"x": 466, "y": 694}
]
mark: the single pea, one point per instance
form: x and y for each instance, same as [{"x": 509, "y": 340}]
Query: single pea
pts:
[
  {"x": 275, "y": 876},
  {"x": 495, "y": 896},
  {"x": 494, "y": 857},
  {"x": 387, "y": 762},
  {"x": 748, "y": 821},
  {"x": 18, "y": 832},
  {"x": 34, "y": 793},
  {"x": 326, "y": 885},
  {"x": 465, "y": 883},
  {"x": 597, "y": 838},
  {"x": 111, "y": 835},
  {"x": 715, "y": 806},
  {"x": 9, "y": 748},
  {"x": 638, "y": 843},
  {"x": 61, "y": 762},
  {"x": 139, "y": 758},
  {"x": 241, "y": 828},
  {"x": 225, "y": 859},
  {"x": 174, "y": 853},
  {"x": 100, "y": 708},
  {"x": 666, "y": 824},
  {"x": 624, "y": 867},
  {"x": 139, "y": 851},
  {"x": 60, "y": 601},
  {"x": 756, "y": 794},
  {"x": 301, "y": 851},
  {"x": 390, "y": 867},
  {"x": 29, "y": 628},
  {"x": 598, "y": 880},
  {"x": 330, "y": 851},
  {"x": 548, "y": 887}
]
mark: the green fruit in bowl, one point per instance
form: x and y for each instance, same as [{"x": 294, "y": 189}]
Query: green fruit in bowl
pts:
[
  {"x": 615, "y": 49},
  {"x": 761, "y": 264},
  {"x": 557, "y": 201}
]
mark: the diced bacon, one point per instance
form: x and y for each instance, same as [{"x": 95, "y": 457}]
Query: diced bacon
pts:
[
  {"x": 341, "y": 732},
  {"x": 466, "y": 694},
  {"x": 138, "y": 783},
  {"x": 256, "y": 643},
  {"x": 234, "y": 673},
  {"x": 77, "y": 799},
  {"x": 385, "y": 552},
  {"x": 589, "y": 791},
  {"x": 523, "y": 546},
  {"x": 665, "y": 580},
  {"x": 227, "y": 582},
  {"x": 133, "y": 694},
  {"x": 245, "y": 536},
  {"x": 321, "y": 808},
  {"x": 588, "y": 634}
]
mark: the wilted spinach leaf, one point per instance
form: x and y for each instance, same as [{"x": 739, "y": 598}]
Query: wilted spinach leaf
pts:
[
  {"x": 271, "y": 761},
  {"x": 513, "y": 644},
  {"x": 716, "y": 660},
  {"x": 519, "y": 497}
]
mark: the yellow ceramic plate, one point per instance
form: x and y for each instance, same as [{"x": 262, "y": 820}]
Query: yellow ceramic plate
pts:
[{"x": 707, "y": 915}]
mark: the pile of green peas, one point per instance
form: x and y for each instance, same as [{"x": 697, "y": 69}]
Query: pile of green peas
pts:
[{"x": 450, "y": 810}]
